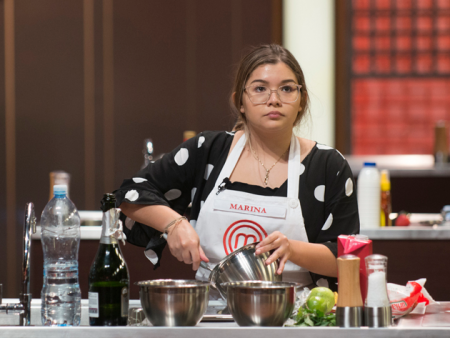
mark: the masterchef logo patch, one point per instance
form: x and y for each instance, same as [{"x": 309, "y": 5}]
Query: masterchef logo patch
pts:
[
  {"x": 241, "y": 233},
  {"x": 276, "y": 211}
]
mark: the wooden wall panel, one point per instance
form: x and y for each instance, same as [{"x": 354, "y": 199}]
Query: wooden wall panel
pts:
[
  {"x": 215, "y": 64},
  {"x": 3, "y": 196},
  {"x": 150, "y": 65},
  {"x": 50, "y": 98},
  {"x": 156, "y": 49}
]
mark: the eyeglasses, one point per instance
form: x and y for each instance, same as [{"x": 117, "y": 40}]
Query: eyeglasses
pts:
[{"x": 260, "y": 94}]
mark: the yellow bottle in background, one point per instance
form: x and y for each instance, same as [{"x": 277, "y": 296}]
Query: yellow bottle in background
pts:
[
  {"x": 188, "y": 134},
  {"x": 386, "y": 206}
]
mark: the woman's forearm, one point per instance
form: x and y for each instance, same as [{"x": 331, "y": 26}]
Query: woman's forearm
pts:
[
  {"x": 155, "y": 216},
  {"x": 317, "y": 258}
]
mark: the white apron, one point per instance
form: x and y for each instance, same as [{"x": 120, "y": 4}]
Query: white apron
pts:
[{"x": 231, "y": 219}]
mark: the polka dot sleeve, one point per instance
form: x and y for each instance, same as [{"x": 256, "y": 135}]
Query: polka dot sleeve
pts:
[
  {"x": 340, "y": 205},
  {"x": 333, "y": 210},
  {"x": 173, "y": 181},
  {"x": 167, "y": 181}
]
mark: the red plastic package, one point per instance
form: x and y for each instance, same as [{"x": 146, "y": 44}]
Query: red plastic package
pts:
[{"x": 404, "y": 299}]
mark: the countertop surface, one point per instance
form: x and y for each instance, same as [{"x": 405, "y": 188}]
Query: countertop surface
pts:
[
  {"x": 436, "y": 323},
  {"x": 401, "y": 165},
  {"x": 219, "y": 330}
]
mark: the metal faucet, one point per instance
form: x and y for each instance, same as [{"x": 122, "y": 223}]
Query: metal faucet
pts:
[
  {"x": 148, "y": 152},
  {"x": 24, "y": 307}
]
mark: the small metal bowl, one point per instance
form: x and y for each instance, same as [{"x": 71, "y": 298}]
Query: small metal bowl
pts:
[
  {"x": 259, "y": 303},
  {"x": 174, "y": 302},
  {"x": 242, "y": 265}
]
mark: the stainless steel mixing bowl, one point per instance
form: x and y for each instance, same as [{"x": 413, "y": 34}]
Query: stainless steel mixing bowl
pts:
[
  {"x": 242, "y": 265},
  {"x": 256, "y": 303},
  {"x": 172, "y": 302}
]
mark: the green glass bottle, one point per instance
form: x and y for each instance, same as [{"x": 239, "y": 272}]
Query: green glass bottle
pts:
[{"x": 109, "y": 281}]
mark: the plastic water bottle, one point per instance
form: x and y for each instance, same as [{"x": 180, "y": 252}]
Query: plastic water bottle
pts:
[
  {"x": 61, "y": 295},
  {"x": 369, "y": 196}
]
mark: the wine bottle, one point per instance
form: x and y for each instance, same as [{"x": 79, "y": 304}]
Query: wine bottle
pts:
[{"x": 109, "y": 281}]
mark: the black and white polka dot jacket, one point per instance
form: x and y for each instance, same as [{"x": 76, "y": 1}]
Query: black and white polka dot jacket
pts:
[{"x": 189, "y": 172}]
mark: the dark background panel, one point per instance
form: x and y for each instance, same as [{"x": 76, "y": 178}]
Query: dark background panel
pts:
[
  {"x": 99, "y": 133},
  {"x": 150, "y": 77},
  {"x": 49, "y": 104},
  {"x": 420, "y": 194},
  {"x": 3, "y": 196},
  {"x": 412, "y": 260},
  {"x": 173, "y": 68},
  {"x": 256, "y": 22},
  {"x": 49, "y": 98},
  {"x": 215, "y": 59}
]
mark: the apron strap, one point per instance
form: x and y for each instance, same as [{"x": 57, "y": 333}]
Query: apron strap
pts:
[
  {"x": 294, "y": 168},
  {"x": 293, "y": 165},
  {"x": 230, "y": 163}
]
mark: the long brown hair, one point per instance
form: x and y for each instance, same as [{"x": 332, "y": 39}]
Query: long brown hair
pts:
[{"x": 265, "y": 54}]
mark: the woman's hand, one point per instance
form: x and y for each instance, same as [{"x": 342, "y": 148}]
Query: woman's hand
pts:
[
  {"x": 278, "y": 242},
  {"x": 184, "y": 244}
]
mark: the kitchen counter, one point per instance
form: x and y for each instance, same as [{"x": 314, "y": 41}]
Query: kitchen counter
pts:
[
  {"x": 401, "y": 165},
  {"x": 431, "y": 321},
  {"x": 409, "y": 328},
  {"x": 415, "y": 231},
  {"x": 412, "y": 326},
  {"x": 411, "y": 232},
  {"x": 219, "y": 330}
]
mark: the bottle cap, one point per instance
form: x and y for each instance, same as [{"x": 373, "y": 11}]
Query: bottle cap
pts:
[
  {"x": 370, "y": 164},
  {"x": 59, "y": 189},
  {"x": 385, "y": 182},
  {"x": 108, "y": 202},
  {"x": 59, "y": 177}
]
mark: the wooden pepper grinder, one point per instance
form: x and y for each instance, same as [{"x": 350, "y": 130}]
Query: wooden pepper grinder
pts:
[{"x": 349, "y": 307}]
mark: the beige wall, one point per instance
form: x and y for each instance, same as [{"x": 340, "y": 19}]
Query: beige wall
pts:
[{"x": 308, "y": 32}]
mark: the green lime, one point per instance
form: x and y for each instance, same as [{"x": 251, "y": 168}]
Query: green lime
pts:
[{"x": 321, "y": 300}]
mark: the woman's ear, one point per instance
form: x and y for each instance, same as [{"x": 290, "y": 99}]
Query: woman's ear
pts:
[{"x": 233, "y": 96}]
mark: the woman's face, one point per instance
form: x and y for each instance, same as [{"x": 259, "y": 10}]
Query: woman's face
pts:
[{"x": 274, "y": 115}]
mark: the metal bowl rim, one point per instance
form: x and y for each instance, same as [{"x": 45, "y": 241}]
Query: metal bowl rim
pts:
[
  {"x": 188, "y": 283},
  {"x": 215, "y": 271},
  {"x": 271, "y": 285}
]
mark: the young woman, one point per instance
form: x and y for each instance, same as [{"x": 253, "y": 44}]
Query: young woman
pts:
[{"x": 259, "y": 183}]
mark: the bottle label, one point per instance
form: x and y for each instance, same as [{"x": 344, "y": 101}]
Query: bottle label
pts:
[
  {"x": 93, "y": 305},
  {"x": 124, "y": 302}
]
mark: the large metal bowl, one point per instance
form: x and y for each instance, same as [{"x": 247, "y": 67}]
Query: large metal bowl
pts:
[
  {"x": 256, "y": 303},
  {"x": 242, "y": 265},
  {"x": 172, "y": 302}
]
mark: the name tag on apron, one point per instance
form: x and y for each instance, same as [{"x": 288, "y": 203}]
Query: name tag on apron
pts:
[{"x": 250, "y": 209}]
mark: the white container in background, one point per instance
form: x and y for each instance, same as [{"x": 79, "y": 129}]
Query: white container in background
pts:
[{"x": 369, "y": 196}]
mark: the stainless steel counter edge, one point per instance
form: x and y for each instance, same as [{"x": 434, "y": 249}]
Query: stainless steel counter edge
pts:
[
  {"x": 411, "y": 232},
  {"x": 217, "y": 330},
  {"x": 401, "y": 165},
  {"x": 414, "y": 231}
]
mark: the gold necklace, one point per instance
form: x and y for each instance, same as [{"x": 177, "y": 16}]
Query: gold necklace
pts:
[{"x": 266, "y": 179}]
